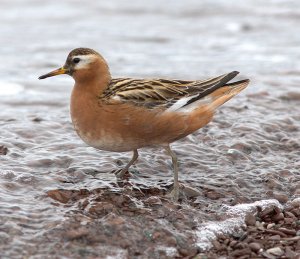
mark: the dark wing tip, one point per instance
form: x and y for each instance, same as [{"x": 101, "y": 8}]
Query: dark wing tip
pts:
[
  {"x": 226, "y": 78},
  {"x": 220, "y": 83},
  {"x": 238, "y": 82},
  {"x": 230, "y": 76},
  {"x": 234, "y": 73}
]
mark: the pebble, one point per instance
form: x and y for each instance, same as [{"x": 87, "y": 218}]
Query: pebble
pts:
[
  {"x": 275, "y": 251},
  {"x": 275, "y": 237},
  {"x": 278, "y": 217},
  {"x": 101, "y": 208},
  {"x": 289, "y": 253},
  {"x": 4, "y": 237},
  {"x": 188, "y": 252},
  {"x": 291, "y": 232},
  {"x": 214, "y": 195},
  {"x": 264, "y": 213},
  {"x": 296, "y": 212},
  {"x": 297, "y": 247},
  {"x": 222, "y": 237},
  {"x": 3, "y": 150},
  {"x": 62, "y": 196},
  {"x": 171, "y": 241},
  {"x": 295, "y": 203},
  {"x": 216, "y": 244},
  {"x": 275, "y": 232},
  {"x": 113, "y": 220},
  {"x": 271, "y": 225},
  {"x": 240, "y": 252},
  {"x": 76, "y": 233},
  {"x": 226, "y": 242},
  {"x": 290, "y": 215},
  {"x": 233, "y": 243},
  {"x": 259, "y": 225},
  {"x": 289, "y": 221},
  {"x": 255, "y": 247},
  {"x": 153, "y": 200},
  {"x": 190, "y": 192},
  {"x": 250, "y": 219},
  {"x": 282, "y": 198},
  {"x": 267, "y": 255}
]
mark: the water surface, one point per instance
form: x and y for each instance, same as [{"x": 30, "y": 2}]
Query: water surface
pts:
[{"x": 249, "y": 152}]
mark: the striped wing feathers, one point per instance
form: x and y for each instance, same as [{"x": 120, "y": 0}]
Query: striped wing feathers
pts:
[{"x": 161, "y": 92}]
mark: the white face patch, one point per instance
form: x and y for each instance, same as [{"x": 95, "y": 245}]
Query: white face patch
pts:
[{"x": 84, "y": 61}]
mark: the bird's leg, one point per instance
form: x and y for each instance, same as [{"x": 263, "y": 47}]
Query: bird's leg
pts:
[
  {"x": 175, "y": 192},
  {"x": 135, "y": 156}
]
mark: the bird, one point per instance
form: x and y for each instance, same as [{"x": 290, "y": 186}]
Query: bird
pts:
[{"x": 127, "y": 114}]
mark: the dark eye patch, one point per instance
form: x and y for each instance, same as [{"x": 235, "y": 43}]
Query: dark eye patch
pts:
[{"x": 76, "y": 60}]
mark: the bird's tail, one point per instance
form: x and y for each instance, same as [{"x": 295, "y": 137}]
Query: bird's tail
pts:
[{"x": 225, "y": 93}]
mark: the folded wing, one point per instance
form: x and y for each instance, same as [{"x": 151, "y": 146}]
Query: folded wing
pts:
[{"x": 164, "y": 94}]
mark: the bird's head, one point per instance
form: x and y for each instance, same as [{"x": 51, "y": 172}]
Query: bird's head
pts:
[{"x": 82, "y": 64}]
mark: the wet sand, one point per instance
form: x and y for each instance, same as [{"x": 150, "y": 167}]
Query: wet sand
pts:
[{"x": 61, "y": 198}]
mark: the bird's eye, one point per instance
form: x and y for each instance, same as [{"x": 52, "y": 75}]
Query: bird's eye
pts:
[{"x": 76, "y": 60}]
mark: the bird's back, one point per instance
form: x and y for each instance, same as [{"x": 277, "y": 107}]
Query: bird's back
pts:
[{"x": 165, "y": 94}]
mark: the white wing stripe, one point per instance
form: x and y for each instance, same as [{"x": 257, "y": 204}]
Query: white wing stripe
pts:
[{"x": 181, "y": 102}]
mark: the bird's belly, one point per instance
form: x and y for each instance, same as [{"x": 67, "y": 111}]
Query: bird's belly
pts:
[
  {"x": 107, "y": 142},
  {"x": 123, "y": 130}
]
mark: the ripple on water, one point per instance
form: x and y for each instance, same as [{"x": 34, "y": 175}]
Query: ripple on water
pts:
[{"x": 249, "y": 152}]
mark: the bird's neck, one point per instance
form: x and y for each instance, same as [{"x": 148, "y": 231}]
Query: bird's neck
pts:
[{"x": 85, "y": 99}]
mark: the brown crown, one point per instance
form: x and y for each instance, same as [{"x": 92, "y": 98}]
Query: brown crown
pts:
[{"x": 82, "y": 51}]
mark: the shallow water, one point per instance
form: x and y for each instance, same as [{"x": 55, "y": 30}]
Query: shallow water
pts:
[{"x": 249, "y": 152}]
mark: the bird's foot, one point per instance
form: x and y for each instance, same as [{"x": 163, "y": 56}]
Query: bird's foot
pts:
[
  {"x": 182, "y": 191},
  {"x": 121, "y": 173},
  {"x": 174, "y": 194},
  {"x": 125, "y": 173}
]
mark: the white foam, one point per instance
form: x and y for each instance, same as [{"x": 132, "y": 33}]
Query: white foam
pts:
[
  {"x": 7, "y": 88},
  {"x": 171, "y": 252},
  {"x": 208, "y": 231}
]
